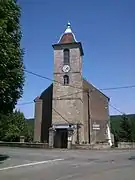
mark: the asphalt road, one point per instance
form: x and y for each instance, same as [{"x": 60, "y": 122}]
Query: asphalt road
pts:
[{"x": 37, "y": 164}]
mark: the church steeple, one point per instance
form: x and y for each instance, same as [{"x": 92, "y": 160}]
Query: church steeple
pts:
[
  {"x": 68, "y": 29},
  {"x": 68, "y": 36}
]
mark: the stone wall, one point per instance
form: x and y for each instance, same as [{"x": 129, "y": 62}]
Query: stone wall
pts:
[
  {"x": 38, "y": 119},
  {"x": 69, "y": 107},
  {"x": 99, "y": 146},
  {"x": 126, "y": 145},
  {"x": 99, "y": 113},
  {"x": 25, "y": 145},
  {"x": 46, "y": 97},
  {"x": 43, "y": 115}
]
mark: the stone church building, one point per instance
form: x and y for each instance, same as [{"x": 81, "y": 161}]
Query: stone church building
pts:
[{"x": 70, "y": 101}]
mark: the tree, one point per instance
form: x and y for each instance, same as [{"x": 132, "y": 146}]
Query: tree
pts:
[
  {"x": 30, "y": 126},
  {"x": 11, "y": 56},
  {"x": 132, "y": 120},
  {"x": 125, "y": 129},
  {"x": 15, "y": 126}
]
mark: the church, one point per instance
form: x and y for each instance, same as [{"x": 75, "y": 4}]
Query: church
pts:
[{"x": 71, "y": 101}]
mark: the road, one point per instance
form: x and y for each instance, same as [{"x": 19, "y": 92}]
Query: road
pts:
[{"x": 39, "y": 164}]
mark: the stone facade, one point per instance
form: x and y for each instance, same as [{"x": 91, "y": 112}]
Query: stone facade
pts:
[
  {"x": 66, "y": 99},
  {"x": 43, "y": 115},
  {"x": 38, "y": 119},
  {"x": 98, "y": 111},
  {"x": 61, "y": 105}
]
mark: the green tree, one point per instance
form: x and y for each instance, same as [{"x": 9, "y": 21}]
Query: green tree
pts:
[
  {"x": 30, "y": 126},
  {"x": 15, "y": 126},
  {"x": 125, "y": 130},
  {"x": 123, "y": 127},
  {"x": 132, "y": 121},
  {"x": 3, "y": 125},
  {"x": 11, "y": 56}
]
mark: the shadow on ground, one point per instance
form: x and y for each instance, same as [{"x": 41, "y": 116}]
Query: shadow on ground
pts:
[
  {"x": 132, "y": 158},
  {"x": 3, "y": 157}
]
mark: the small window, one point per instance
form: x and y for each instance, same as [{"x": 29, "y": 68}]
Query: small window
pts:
[
  {"x": 66, "y": 56},
  {"x": 66, "y": 79}
]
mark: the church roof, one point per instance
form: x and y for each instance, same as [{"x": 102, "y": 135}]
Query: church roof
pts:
[
  {"x": 68, "y": 36},
  {"x": 89, "y": 86}
]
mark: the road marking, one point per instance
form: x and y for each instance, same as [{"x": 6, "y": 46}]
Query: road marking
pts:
[{"x": 31, "y": 164}]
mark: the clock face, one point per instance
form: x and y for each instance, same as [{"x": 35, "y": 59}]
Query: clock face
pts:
[{"x": 66, "y": 68}]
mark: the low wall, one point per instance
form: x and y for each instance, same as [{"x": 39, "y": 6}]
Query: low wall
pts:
[
  {"x": 46, "y": 146},
  {"x": 25, "y": 145},
  {"x": 126, "y": 145},
  {"x": 121, "y": 145},
  {"x": 101, "y": 146},
  {"x": 95, "y": 146}
]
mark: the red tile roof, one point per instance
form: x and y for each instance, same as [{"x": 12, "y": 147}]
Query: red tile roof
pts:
[{"x": 67, "y": 38}]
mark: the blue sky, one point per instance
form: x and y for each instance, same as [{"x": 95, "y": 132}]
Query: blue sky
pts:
[{"x": 107, "y": 32}]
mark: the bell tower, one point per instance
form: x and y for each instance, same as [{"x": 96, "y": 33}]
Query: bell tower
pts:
[{"x": 67, "y": 106}]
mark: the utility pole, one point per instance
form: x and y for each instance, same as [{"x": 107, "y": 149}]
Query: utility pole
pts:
[{"x": 89, "y": 119}]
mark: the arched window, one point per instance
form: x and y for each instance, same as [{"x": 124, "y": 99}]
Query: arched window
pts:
[
  {"x": 66, "y": 79},
  {"x": 66, "y": 56}
]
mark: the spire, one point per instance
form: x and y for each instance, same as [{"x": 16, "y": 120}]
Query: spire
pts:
[
  {"x": 68, "y": 36},
  {"x": 68, "y": 29}
]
